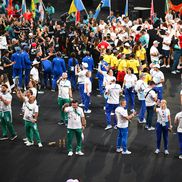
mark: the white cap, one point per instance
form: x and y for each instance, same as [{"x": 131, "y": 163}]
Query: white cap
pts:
[
  {"x": 72, "y": 180},
  {"x": 156, "y": 66},
  {"x": 35, "y": 62},
  {"x": 127, "y": 44},
  {"x": 30, "y": 34},
  {"x": 155, "y": 42},
  {"x": 85, "y": 65}
]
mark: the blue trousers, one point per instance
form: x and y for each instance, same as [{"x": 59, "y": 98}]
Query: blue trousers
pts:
[
  {"x": 18, "y": 72},
  {"x": 180, "y": 142},
  {"x": 101, "y": 88},
  {"x": 109, "y": 109},
  {"x": 72, "y": 79},
  {"x": 47, "y": 75},
  {"x": 176, "y": 55},
  {"x": 86, "y": 102},
  {"x": 81, "y": 91},
  {"x": 159, "y": 91},
  {"x": 150, "y": 113},
  {"x": 130, "y": 98},
  {"x": 159, "y": 131},
  {"x": 142, "y": 110},
  {"x": 54, "y": 81},
  {"x": 27, "y": 77},
  {"x": 122, "y": 138}
]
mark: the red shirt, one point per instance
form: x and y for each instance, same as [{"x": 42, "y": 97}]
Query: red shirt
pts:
[
  {"x": 103, "y": 44},
  {"x": 180, "y": 41}
]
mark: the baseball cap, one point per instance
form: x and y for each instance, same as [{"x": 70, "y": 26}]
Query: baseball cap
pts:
[{"x": 155, "y": 42}]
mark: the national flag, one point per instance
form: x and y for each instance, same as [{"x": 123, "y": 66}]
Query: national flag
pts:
[
  {"x": 126, "y": 8},
  {"x": 152, "y": 12},
  {"x": 9, "y": 9},
  {"x": 23, "y": 7},
  {"x": 167, "y": 6},
  {"x": 97, "y": 11},
  {"x": 41, "y": 10},
  {"x": 106, "y": 3},
  {"x": 77, "y": 17},
  {"x": 76, "y": 5},
  {"x": 32, "y": 5},
  {"x": 176, "y": 8}
]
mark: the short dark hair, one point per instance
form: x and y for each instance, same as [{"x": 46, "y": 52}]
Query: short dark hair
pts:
[
  {"x": 5, "y": 85},
  {"x": 151, "y": 83},
  {"x": 74, "y": 101}
]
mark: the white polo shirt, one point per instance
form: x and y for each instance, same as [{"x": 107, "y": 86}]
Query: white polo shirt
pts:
[
  {"x": 149, "y": 99},
  {"x": 82, "y": 76},
  {"x": 89, "y": 84},
  {"x": 167, "y": 40},
  {"x": 130, "y": 80},
  {"x": 8, "y": 97},
  {"x": 140, "y": 88},
  {"x": 74, "y": 117},
  {"x": 35, "y": 74},
  {"x": 63, "y": 89},
  {"x": 179, "y": 118},
  {"x": 157, "y": 76},
  {"x": 154, "y": 50},
  {"x": 162, "y": 116},
  {"x": 113, "y": 91},
  {"x": 121, "y": 113},
  {"x": 30, "y": 110}
]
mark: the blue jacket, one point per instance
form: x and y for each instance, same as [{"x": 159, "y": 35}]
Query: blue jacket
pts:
[
  {"x": 17, "y": 58},
  {"x": 58, "y": 65},
  {"x": 47, "y": 66},
  {"x": 72, "y": 64},
  {"x": 89, "y": 60},
  {"x": 102, "y": 64},
  {"x": 27, "y": 64}
]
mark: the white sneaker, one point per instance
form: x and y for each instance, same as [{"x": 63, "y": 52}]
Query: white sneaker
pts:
[
  {"x": 108, "y": 127},
  {"x": 81, "y": 105},
  {"x": 29, "y": 144},
  {"x": 180, "y": 157},
  {"x": 99, "y": 95},
  {"x": 151, "y": 128},
  {"x": 25, "y": 139},
  {"x": 157, "y": 151},
  {"x": 144, "y": 121},
  {"x": 177, "y": 71},
  {"x": 173, "y": 72},
  {"x": 168, "y": 66},
  {"x": 115, "y": 127},
  {"x": 70, "y": 153},
  {"x": 88, "y": 111},
  {"x": 40, "y": 145},
  {"x": 119, "y": 150},
  {"x": 126, "y": 153},
  {"x": 104, "y": 108},
  {"x": 112, "y": 114},
  {"x": 79, "y": 153},
  {"x": 163, "y": 66},
  {"x": 166, "y": 152},
  {"x": 132, "y": 110}
]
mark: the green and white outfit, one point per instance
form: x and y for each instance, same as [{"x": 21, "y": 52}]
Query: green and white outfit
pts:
[
  {"x": 6, "y": 115},
  {"x": 63, "y": 97},
  {"x": 74, "y": 127},
  {"x": 31, "y": 128}
]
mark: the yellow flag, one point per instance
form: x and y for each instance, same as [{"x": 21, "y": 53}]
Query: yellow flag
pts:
[{"x": 73, "y": 8}]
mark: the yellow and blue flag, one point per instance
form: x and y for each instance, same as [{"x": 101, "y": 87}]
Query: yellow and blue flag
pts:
[
  {"x": 106, "y": 3},
  {"x": 126, "y": 8},
  {"x": 97, "y": 11},
  {"x": 76, "y": 5}
]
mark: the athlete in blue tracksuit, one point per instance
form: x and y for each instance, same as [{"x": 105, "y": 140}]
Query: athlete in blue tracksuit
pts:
[
  {"x": 89, "y": 60},
  {"x": 58, "y": 67},
  {"x": 103, "y": 67},
  {"x": 47, "y": 70},
  {"x": 72, "y": 62},
  {"x": 27, "y": 64},
  {"x": 17, "y": 67}
]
